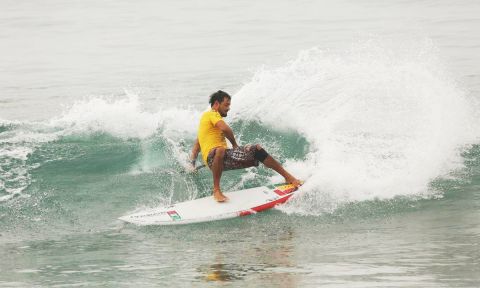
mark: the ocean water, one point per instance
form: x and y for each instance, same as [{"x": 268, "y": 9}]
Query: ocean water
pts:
[{"x": 375, "y": 104}]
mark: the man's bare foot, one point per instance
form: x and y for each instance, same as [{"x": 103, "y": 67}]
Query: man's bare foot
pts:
[
  {"x": 218, "y": 196},
  {"x": 294, "y": 181}
]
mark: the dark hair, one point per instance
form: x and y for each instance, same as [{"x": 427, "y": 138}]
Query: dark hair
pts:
[{"x": 218, "y": 96}]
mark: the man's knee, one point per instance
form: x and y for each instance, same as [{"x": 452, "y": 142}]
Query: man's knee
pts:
[{"x": 260, "y": 153}]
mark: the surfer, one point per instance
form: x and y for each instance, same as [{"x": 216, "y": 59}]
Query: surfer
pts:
[{"x": 218, "y": 157}]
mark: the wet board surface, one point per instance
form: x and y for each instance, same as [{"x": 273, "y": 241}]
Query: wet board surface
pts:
[{"x": 240, "y": 203}]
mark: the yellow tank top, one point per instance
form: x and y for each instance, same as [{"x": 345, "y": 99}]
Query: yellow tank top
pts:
[{"x": 210, "y": 136}]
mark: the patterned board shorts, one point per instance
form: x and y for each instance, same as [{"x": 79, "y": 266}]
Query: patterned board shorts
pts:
[{"x": 241, "y": 157}]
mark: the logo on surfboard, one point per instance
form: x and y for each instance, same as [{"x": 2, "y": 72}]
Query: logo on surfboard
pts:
[
  {"x": 284, "y": 189},
  {"x": 174, "y": 215}
]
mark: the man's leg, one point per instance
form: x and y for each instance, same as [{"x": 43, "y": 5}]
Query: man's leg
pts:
[
  {"x": 273, "y": 164},
  {"x": 217, "y": 169}
]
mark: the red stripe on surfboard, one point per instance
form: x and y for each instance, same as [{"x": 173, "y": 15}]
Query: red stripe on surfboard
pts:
[{"x": 264, "y": 206}]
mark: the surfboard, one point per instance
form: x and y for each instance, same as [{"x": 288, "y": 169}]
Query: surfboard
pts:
[{"x": 240, "y": 203}]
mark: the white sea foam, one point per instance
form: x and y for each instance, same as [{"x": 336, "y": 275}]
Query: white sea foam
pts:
[
  {"x": 382, "y": 120},
  {"x": 123, "y": 117}
]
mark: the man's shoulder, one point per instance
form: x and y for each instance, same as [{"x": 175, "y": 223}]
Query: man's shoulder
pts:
[{"x": 211, "y": 113}]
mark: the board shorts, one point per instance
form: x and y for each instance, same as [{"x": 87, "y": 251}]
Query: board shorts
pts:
[{"x": 238, "y": 158}]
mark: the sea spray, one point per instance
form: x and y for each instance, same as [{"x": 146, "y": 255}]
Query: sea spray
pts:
[{"x": 382, "y": 120}]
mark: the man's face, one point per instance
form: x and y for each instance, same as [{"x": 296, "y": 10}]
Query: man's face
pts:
[{"x": 224, "y": 107}]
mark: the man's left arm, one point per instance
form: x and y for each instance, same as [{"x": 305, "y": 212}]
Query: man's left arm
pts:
[{"x": 227, "y": 131}]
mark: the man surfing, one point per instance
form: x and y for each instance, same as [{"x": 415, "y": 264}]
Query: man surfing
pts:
[{"x": 211, "y": 142}]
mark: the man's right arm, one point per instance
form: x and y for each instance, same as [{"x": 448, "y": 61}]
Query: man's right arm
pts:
[{"x": 195, "y": 151}]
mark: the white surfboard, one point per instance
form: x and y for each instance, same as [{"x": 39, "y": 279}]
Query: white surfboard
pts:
[{"x": 240, "y": 203}]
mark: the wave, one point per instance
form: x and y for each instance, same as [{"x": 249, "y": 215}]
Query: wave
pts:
[
  {"x": 376, "y": 121},
  {"x": 382, "y": 119}
]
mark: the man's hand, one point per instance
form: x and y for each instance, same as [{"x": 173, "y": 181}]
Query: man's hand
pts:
[
  {"x": 191, "y": 166},
  {"x": 193, "y": 158}
]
